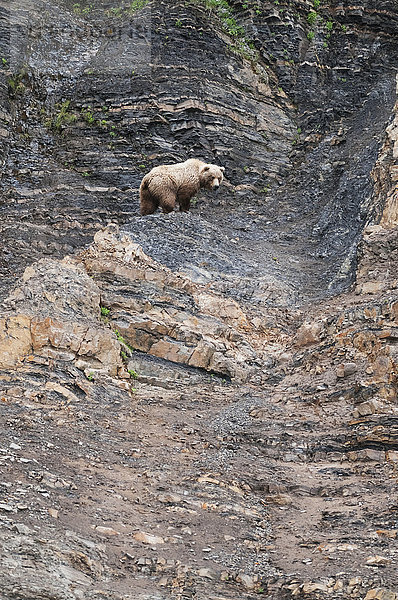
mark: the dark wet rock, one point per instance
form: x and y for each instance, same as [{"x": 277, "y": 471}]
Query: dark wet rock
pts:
[{"x": 190, "y": 245}]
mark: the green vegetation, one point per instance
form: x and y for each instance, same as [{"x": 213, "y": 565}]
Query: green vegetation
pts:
[
  {"x": 240, "y": 45},
  {"x": 64, "y": 117},
  {"x": 79, "y": 10},
  {"x": 137, "y": 5},
  {"x": 15, "y": 82},
  {"x": 317, "y": 4},
  {"x": 90, "y": 376},
  {"x": 15, "y": 85},
  {"x": 344, "y": 28},
  {"x": 122, "y": 341},
  {"x": 312, "y": 17},
  {"x": 119, "y": 336},
  {"x": 114, "y": 12},
  {"x": 4, "y": 62},
  {"x": 133, "y": 374},
  {"x": 88, "y": 115},
  {"x": 126, "y": 350},
  {"x": 310, "y": 35},
  {"x": 225, "y": 14},
  {"x": 134, "y": 7},
  {"x": 104, "y": 313},
  {"x": 297, "y": 136}
]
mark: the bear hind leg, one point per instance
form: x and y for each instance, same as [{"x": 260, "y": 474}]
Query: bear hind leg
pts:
[{"x": 148, "y": 204}]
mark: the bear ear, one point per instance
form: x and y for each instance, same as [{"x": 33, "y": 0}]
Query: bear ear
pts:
[
  {"x": 222, "y": 169},
  {"x": 206, "y": 168}
]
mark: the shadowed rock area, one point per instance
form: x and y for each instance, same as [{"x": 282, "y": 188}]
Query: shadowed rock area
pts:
[{"x": 202, "y": 405}]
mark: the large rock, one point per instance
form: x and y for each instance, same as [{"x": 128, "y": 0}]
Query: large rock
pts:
[
  {"x": 54, "y": 314},
  {"x": 167, "y": 315}
]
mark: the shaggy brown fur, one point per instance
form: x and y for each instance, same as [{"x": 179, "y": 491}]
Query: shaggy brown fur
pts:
[{"x": 167, "y": 184}]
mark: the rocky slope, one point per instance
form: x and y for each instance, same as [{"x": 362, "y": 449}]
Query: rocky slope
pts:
[{"x": 199, "y": 405}]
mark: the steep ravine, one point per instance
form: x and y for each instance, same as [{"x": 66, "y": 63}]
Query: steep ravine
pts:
[{"x": 198, "y": 406}]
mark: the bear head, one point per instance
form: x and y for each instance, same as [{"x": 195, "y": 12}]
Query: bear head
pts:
[{"x": 211, "y": 176}]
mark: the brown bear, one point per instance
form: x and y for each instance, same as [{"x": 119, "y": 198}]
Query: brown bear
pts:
[{"x": 167, "y": 184}]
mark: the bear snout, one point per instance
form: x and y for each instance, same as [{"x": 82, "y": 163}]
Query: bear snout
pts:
[{"x": 216, "y": 185}]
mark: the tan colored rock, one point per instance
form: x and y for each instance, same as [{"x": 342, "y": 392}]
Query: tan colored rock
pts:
[
  {"x": 248, "y": 581},
  {"x": 171, "y": 350},
  {"x": 309, "y": 333},
  {"x": 202, "y": 355},
  {"x": 381, "y": 594},
  {"x": 99, "y": 344},
  {"x": 387, "y": 533},
  {"x": 147, "y": 538},
  {"x": 225, "y": 308},
  {"x": 28, "y": 273},
  {"x": 366, "y": 408},
  {"x": 56, "y": 310},
  {"x": 109, "y": 531},
  {"x": 339, "y": 585},
  {"x": 368, "y": 454},
  {"x": 346, "y": 369},
  {"x": 310, "y": 587},
  {"x": 340, "y": 371},
  {"x": 378, "y": 561},
  {"x": 51, "y": 332},
  {"x": 371, "y": 287},
  {"x": 206, "y": 573},
  {"x": 15, "y": 340},
  {"x": 62, "y": 390}
]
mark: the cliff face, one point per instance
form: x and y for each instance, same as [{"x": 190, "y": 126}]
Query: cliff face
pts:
[
  {"x": 95, "y": 95},
  {"x": 198, "y": 405}
]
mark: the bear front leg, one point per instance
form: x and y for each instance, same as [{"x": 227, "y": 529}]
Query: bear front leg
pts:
[
  {"x": 185, "y": 204},
  {"x": 184, "y": 200}
]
